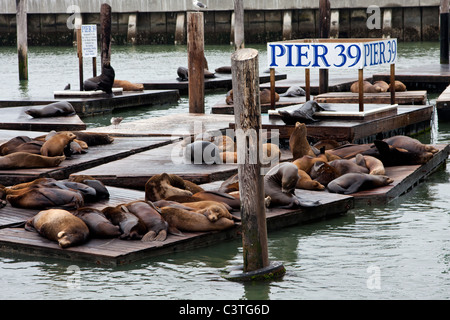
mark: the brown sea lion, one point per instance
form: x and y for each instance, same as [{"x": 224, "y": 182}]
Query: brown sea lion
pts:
[
  {"x": 399, "y": 86},
  {"x": 60, "y": 226},
  {"x": 219, "y": 197},
  {"x": 231, "y": 184},
  {"x": 264, "y": 96},
  {"x": 127, "y": 85},
  {"x": 229, "y": 97},
  {"x": 228, "y": 157},
  {"x": 393, "y": 156},
  {"x": 223, "y": 69},
  {"x": 3, "y": 202},
  {"x": 100, "y": 189},
  {"x": 410, "y": 144},
  {"x": 367, "y": 87},
  {"x": 56, "y": 109},
  {"x": 93, "y": 138},
  {"x": 11, "y": 145},
  {"x": 353, "y": 182},
  {"x": 279, "y": 187},
  {"x": 270, "y": 153},
  {"x": 305, "y": 163},
  {"x": 323, "y": 173},
  {"x": 193, "y": 221},
  {"x": 54, "y": 146},
  {"x": 99, "y": 226},
  {"x": 131, "y": 226},
  {"x": 21, "y": 160},
  {"x": 157, "y": 227},
  {"x": 213, "y": 210},
  {"x": 32, "y": 146},
  {"x": 381, "y": 86},
  {"x": 307, "y": 183},
  {"x": 344, "y": 166},
  {"x": 298, "y": 142},
  {"x": 162, "y": 186},
  {"x": 374, "y": 165},
  {"x": 225, "y": 143}
]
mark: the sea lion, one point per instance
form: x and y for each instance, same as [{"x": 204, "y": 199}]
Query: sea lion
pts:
[
  {"x": 56, "y": 109},
  {"x": 217, "y": 196},
  {"x": 298, "y": 142},
  {"x": 33, "y": 146},
  {"x": 294, "y": 91},
  {"x": 101, "y": 192},
  {"x": 54, "y": 146},
  {"x": 410, "y": 144},
  {"x": 213, "y": 210},
  {"x": 374, "y": 165},
  {"x": 279, "y": 187},
  {"x": 399, "y": 86},
  {"x": 344, "y": 166},
  {"x": 271, "y": 153},
  {"x": 132, "y": 227},
  {"x": 264, "y": 96},
  {"x": 202, "y": 152},
  {"x": 381, "y": 86},
  {"x": 127, "y": 85},
  {"x": 225, "y": 143},
  {"x": 228, "y": 157},
  {"x": 60, "y": 226},
  {"x": 21, "y": 160},
  {"x": 307, "y": 183},
  {"x": 99, "y": 226},
  {"x": 162, "y": 186},
  {"x": 93, "y": 138},
  {"x": 3, "y": 202},
  {"x": 230, "y": 185},
  {"x": 223, "y": 69},
  {"x": 305, "y": 163},
  {"x": 323, "y": 173},
  {"x": 367, "y": 87},
  {"x": 102, "y": 82},
  {"x": 183, "y": 74},
  {"x": 157, "y": 227},
  {"x": 229, "y": 97},
  {"x": 353, "y": 182},
  {"x": 392, "y": 156},
  {"x": 9, "y": 146},
  {"x": 193, "y": 221},
  {"x": 305, "y": 113}
]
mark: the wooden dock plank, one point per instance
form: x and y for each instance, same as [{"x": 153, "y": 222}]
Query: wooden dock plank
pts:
[
  {"x": 401, "y": 98},
  {"x": 223, "y": 108},
  {"x": 443, "y": 104}
]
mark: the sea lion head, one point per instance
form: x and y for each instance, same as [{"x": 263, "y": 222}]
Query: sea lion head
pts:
[{"x": 289, "y": 178}]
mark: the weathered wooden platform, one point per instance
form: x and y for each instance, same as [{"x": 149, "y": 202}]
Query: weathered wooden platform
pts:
[
  {"x": 443, "y": 105},
  {"x": 221, "y": 81},
  {"x": 98, "y": 105},
  {"x": 15, "y": 118},
  {"x": 119, "y": 252},
  {"x": 433, "y": 78},
  {"x": 96, "y": 155},
  {"x": 402, "y": 98},
  {"x": 223, "y": 108},
  {"x": 409, "y": 120}
]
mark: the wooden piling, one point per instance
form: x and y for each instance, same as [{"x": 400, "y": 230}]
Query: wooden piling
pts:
[
  {"x": 105, "y": 23},
  {"x": 196, "y": 62},
  {"x": 22, "y": 41},
  {"x": 361, "y": 89},
  {"x": 248, "y": 119},
  {"x": 80, "y": 57},
  {"x": 308, "y": 84},
  {"x": 272, "y": 88},
  {"x": 324, "y": 30},
  {"x": 444, "y": 33},
  {"x": 239, "y": 38},
  {"x": 392, "y": 89}
]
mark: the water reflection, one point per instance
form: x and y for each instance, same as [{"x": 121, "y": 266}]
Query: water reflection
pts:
[{"x": 23, "y": 89}]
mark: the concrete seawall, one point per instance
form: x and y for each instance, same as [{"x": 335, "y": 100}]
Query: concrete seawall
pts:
[{"x": 164, "y": 22}]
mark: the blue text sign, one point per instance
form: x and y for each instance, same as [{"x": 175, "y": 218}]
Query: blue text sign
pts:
[{"x": 327, "y": 54}]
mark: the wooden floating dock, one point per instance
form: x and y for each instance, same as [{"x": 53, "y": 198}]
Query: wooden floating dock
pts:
[
  {"x": 119, "y": 252},
  {"x": 15, "y": 118},
  {"x": 443, "y": 104},
  {"x": 401, "y": 98},
  {"x": 221, "y": 81},
  {"x": 223, "y": 108},
  {"x": 97, "y": 105},
  {"x": 408, "y": 120}
]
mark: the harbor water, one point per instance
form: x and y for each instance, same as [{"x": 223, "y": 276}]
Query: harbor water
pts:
[{"x": 396, "y": 251}]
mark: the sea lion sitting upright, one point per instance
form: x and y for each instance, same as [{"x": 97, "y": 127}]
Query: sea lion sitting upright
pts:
[
  {"x": 104, "y": 81},
  {"x": 157, "y": 227},
  {"x": 99, "y": 226},
  {"x": 60, "y": 226},
  {"x": 55, "y": 146},
  {"x": 305, "y": 113},
  {"x": 298, "y": 142},
  {"x": 56, "y": 109},
  {"x": 353, "y": 182},
  {"x": 279, "y": 187},
  {"x": 183, "y": 74}
]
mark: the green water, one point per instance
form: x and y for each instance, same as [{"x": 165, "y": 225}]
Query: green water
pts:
[{"x": 396, "y": 251}]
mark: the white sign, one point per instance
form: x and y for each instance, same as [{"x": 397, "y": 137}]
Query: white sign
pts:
[
  {"x": 331, "y": 54},
  {"x": 89, "y": 40}
]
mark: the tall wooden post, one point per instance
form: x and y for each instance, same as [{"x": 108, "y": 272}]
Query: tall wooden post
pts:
[
  {"x": 444, "y": 25},
  {"x": 196, "y": 62},
  {"x": 272, "y": 88},
  {"x": 239, "y": 38},
  {"x": 361, "y": 89},
  {"x": 80, "y": 57},
  {"x": 105, "y": 23},
  {"x": 247, "y": 110},
  {"x": 22, "y": 41},
  {"x": 392, "y": 83},
  {"x": 324, "y": 30},
  {"x": 308, "y": 84}
]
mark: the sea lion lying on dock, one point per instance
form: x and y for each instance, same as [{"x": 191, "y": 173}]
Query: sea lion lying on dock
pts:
[
  {"x": 367, "y": 87},
  {"x": 305, "y": 113},
  {"x": 202, "y": 152},
  {"x": 56, "y": 109},
  {"x": 163, "y": 186},
  {"x": 157, "y": 227},
  {"x": 127, "y": 85},
  {"x": 217, "y": 196},
  {"x": 307, "y": 183},
  {"x": 399, "y": 86},
  {"x": 279, "y": 187},
  {"x": 223, "y": 69},
  {"x": 131, "y": 226},
  {"x": 60, "y": 226},
  {"x": 353, "y": 182},
  {"x": 22, "y": 160},
  {"x": 93, "y": 138},
  {"x": 104, "y": 81},
  {"x": 21, "y": 144},
  {"x": 100, "y": 189},
  {"x": 99, "y": 226},
  {"x": 323, "y": 173},
  {"x": 294, "y": 91}
]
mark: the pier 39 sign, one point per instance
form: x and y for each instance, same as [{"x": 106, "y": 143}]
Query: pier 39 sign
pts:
[{"x": 331, "y": 54}]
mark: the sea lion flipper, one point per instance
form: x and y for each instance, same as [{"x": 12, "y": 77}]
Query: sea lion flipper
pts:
[{"x": 173, "y": 230}]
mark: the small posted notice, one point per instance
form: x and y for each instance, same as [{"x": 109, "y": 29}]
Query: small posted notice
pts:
[{"x": 89, "y": 40}]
